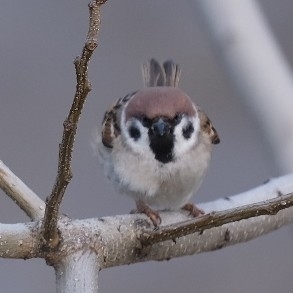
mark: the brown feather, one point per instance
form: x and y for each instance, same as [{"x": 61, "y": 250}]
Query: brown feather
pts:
[
  {"x": 155, "y": 102},
  {"x": 157, "y": 74},
  {"x": 160, "y": 98},
  {"x": 208, "y": 128},
  {"x": 110, "y": 126}
]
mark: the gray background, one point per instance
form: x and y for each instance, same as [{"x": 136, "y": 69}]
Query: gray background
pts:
[{"x": 39, "y": 40}]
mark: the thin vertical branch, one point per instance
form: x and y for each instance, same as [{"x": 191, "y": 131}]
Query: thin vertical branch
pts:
[{"x": 83, "y": 87}]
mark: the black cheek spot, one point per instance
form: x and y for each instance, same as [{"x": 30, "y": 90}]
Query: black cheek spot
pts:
[
  {"x": 187, "y": 131},
  {"x": 134, "y": 132}
]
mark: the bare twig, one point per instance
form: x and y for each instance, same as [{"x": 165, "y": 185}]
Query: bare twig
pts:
[
  {"x": 216, "y": 219},
  {"x": 83, "y": 87},
  {"x": 24, "y": 197}
]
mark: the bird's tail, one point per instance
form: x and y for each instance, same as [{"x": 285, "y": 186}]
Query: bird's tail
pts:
[{"x": 157, "y": 74}]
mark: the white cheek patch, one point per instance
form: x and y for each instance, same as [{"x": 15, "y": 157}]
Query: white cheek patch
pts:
[
  {"x": 182, "y": 144},
  {"x": 139, "y": 145}
]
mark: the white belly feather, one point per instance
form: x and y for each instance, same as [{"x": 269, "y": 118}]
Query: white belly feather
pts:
[{"x": 163, "y": 186}]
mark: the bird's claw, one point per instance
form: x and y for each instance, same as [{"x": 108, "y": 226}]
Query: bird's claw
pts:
[
  {"x": 154, "y": 216},
  {"x": 193, "y": 210}
]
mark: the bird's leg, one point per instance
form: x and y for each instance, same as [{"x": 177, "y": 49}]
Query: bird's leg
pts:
[
  {"x": 193, "y": 210},
  {"x": 154, "y": 216}
]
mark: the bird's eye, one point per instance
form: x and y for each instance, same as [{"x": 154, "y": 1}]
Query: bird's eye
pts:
[
  {"x": 145, "y": 121},
  {"x": 177, "y": 118},
  {"x": 187, "y": 130},
  {"x": 134, "y": 132}
]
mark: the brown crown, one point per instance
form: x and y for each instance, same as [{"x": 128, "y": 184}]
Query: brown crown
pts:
[{"x": 155, "y": 102}]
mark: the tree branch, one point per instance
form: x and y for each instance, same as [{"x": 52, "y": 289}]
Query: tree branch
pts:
[
  {"x": 268, "y": 198},
  {"x": 24, "y": 197},
  {"x": 121, "y": 240},
  {"x": 78, "y": 272},
  {"x": 19, "y": 240},
  {"x": 83, "y": 87},
  {"x": 216, "y": 219}
]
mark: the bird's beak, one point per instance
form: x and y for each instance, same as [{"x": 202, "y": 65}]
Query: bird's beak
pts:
[{"x": 160, "y": 127}]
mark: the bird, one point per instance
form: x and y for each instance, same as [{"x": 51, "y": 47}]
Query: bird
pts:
[{"x": 155, "y": 143}]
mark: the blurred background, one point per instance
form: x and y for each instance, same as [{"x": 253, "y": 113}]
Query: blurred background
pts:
[{"x": 39, "y": 41}]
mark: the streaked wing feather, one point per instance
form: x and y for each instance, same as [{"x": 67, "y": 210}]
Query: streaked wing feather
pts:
[
  {"x": 208, "y": 128},
  {"x": 110, "y": 124}
]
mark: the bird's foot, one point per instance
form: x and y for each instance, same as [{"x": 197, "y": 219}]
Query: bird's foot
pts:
[
  {"x": 154, "y": 216},
  {"x": 193, "y": 210}
]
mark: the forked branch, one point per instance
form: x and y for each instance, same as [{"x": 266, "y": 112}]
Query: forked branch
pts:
[
  {"x": 119, "y": 240},
  {"x": 83, "y": 87}
]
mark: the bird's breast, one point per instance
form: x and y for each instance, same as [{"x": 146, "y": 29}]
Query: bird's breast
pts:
[{"x": 164, "y": 186}]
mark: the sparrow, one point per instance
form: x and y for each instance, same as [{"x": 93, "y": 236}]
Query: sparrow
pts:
[{"x": 155, "y": 143}]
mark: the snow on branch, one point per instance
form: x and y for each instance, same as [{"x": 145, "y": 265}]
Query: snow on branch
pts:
[
  {"x": 122, "y": 239},
  {"x": 22, "y": 195}
]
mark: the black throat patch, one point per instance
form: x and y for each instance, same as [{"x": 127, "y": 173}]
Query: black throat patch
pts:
[{"x": 162, "y": 147}]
